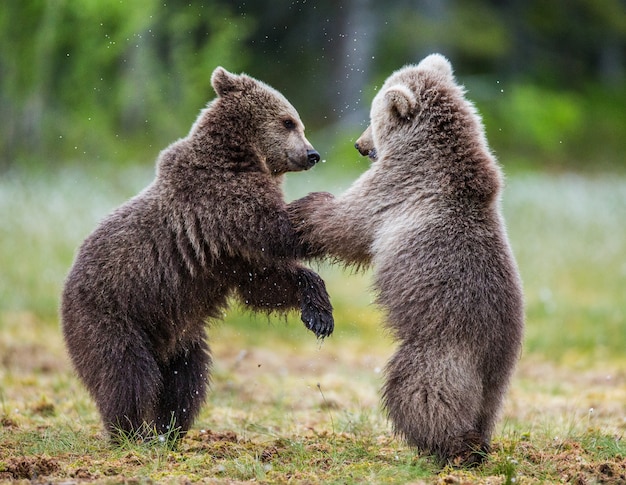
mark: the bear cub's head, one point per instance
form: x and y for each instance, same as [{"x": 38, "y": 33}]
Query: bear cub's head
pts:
[
  {"x": 264, "y": 121},
  {"x": 398, "y": 103}
]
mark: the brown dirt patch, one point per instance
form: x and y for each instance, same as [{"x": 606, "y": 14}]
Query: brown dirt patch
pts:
[
  {"x": 31, "y": 467},
  {"x": 574, "y": 468}
]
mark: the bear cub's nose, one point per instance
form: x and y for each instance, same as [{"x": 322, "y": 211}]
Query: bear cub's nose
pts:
[{"x": 313, "y": 157}]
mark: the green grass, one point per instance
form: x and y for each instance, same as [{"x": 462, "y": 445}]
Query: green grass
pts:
[
  {"x": 568, "y": 234},
  {"x": 284, "y": 407}
]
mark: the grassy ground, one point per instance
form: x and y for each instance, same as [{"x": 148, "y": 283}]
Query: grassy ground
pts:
[{"x": 284, "y": 408}]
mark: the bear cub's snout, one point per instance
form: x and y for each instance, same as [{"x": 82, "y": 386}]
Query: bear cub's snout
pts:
[{"x": 312, "y": 157}]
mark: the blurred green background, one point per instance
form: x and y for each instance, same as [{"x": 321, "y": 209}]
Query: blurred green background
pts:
[
  {"x": 104, "y": 82},
  {"x": 91, "y": 91}
]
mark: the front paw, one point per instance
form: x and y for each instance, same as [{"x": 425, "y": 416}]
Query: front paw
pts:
[
  {"x": 307, "y": 217},
  {"x": 301, "y": 209},
  {"x": 317, "y": 311},
  {"x": 319, "y": 320}
]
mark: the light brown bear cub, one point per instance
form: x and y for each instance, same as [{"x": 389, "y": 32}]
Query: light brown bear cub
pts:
[
  {"x": 212, "y": 224},
  {"x": 426, "y": 215}
]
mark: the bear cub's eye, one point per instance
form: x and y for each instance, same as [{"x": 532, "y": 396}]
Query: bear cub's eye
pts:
[{"x": 289, "y": 124}]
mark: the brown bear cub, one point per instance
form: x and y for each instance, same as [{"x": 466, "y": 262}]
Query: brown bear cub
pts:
[
  {"x": 426, "y": 216},
  {"x": 213, "y": 224}
]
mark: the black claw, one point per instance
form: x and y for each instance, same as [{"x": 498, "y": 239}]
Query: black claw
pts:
[
  {"x": 321, "y": 325},
  {"x": 316, "y": 310}
]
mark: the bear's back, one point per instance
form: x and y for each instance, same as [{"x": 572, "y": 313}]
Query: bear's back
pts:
[{"x": 133, "y": 265}]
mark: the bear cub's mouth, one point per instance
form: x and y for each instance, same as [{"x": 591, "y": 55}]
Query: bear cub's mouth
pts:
[{"x": 371, "y": 152}]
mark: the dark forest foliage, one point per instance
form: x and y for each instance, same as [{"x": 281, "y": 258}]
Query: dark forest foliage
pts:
[{"x": 104, "y": 81}]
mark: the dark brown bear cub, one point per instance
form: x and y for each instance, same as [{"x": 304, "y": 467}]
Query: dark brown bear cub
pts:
[
  {"x": 213, "y": 224},
  {"x": 426, "y": 215}
]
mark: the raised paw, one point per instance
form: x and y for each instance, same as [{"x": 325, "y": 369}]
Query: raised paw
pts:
[
  {"x": 300, "y": 209},
  {"x": 304, "y": 216},
  {"x": 317, "y": 312},
  {"x": 319, "y": 321}
]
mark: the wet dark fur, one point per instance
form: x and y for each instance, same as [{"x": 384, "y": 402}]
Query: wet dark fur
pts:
[
  {"x": 426, "y": 215},
  {"x": 213, "y": 224}
]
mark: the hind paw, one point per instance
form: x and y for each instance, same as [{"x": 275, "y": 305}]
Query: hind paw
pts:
[{"x": 470, "y": 451}]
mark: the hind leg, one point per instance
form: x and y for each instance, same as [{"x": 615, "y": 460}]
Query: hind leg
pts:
[
  {"x": 117, "y": 368},
  {"x": 495, "y": 381},
  {"x": 185, "y": 382},
  {"x": 433, "y": 398},
  {"x": 495, "y": 387},
  {"x": 495, "y": 378},
  {"x": 125, "y": 381}
]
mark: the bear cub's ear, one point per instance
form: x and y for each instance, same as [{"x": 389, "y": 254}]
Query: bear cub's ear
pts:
[
  {"x": 438, "y": 63},
  {"x": 224, "y": 82},
  {"x": 402, "y": 100}
]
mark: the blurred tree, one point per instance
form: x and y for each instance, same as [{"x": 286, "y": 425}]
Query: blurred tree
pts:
[
  {"x": 75, "y": 75},
  {"x": 567, "y": 43},
  {"x": 317, "y": 53}
]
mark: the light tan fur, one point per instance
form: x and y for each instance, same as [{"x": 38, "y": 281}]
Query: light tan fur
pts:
[{"x": 426, "y": 215}]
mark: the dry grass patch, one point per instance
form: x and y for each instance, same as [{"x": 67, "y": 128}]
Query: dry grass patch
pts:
[{"x": 285, "y": 412}]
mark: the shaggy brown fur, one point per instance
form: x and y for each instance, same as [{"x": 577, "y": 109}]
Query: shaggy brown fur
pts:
[
  {"x": 211, "y": 225},
  {"x": 426, "y": 216}
]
